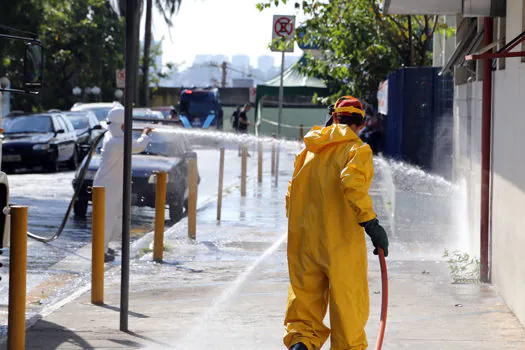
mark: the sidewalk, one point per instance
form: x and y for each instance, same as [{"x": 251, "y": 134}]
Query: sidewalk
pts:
[{"x": 224, "y": 292}]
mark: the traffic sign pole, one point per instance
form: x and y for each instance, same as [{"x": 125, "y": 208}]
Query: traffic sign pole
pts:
[
  {"x": 281, "y": 97},
  {"x": 283, "y": 29}
]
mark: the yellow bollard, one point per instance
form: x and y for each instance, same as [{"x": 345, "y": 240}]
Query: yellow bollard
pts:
[
  {"x": 160, "y": 209},
  {"x": 97, "y": 247},
  {"x": 301, "y": 133},
  {"x": 260, "y": 164},
  {"x": 192, "y": 195},
  {"x": 221, "y": 180},
  {"x": 244, "y": 165},
  {"x": 273, "y": 160},
  {"x": 16, "y": 330}
]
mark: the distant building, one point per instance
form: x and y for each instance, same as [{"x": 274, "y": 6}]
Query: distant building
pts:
[
  {"x": 265, "y": 63},
  {"x": 243, "y": 83},
  {"x": 241, "y": 61}
]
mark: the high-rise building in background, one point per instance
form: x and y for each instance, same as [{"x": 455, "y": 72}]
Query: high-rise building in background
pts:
[
  {"x": 220, "y": 58},
  {"x": 202, "y": 59},
  {"x": 265, "y": 63},
  {"x": 241, "y": 62}
]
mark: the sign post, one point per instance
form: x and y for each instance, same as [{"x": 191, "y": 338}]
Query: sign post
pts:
[
  {"x": 282, "y": 41},
  {"x": 132, "y": 21}
]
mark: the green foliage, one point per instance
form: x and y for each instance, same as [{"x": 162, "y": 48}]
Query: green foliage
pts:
[
  {"x": 83, "y": 46},
  {"x": 360, "y": 44},
  {"x": 463, "y": 267}
]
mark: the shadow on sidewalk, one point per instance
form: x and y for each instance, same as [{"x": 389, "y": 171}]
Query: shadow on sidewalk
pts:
[
  {"x": 117, "y": 309},
  {"x": 48, "y": 335}
]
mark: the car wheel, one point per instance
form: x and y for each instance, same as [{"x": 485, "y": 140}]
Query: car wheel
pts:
[
  {"x": 52, "y": 166},
  {"x": 80, "y": 208},
  {"x": 72, "y": 164},
  {"x": 176, "y": 212}
]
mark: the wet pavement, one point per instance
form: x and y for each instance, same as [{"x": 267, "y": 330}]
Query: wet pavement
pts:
[
  {"x": 227, "y": 289},
  {"x": 48, "y": 196}
]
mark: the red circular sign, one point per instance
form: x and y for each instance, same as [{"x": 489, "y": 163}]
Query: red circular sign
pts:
[{"x": 283, "y": 27}]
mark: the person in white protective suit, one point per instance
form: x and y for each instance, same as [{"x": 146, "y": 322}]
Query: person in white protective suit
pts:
[{"x": 110, "y": 174}]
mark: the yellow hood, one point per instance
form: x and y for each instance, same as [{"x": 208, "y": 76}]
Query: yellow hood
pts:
[{"x": 320, "y": 137}]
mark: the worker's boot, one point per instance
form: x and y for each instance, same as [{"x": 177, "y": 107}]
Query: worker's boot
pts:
[
  {"x": 108, "y": 257},
  {"x": 299, "y": 346}
]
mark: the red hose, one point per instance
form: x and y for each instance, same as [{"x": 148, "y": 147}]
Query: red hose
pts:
[{"x": 384, "y": 300}]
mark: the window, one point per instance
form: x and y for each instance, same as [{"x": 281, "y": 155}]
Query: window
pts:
[
  {"x": 60, "y": 124},
  {"x": 67, "y": 124},
  {"x": 79, "y": 122},
  {"x": 28, "y": 124}
]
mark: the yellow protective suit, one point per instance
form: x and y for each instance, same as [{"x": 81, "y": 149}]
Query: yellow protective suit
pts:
[{"x": 327, "y": 257}]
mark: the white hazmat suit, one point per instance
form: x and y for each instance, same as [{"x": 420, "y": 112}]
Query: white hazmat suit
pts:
[{"x": 110, "y": 172}]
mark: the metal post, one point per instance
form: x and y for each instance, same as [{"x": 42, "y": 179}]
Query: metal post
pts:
[
  {"x": 97, "y": 246},
  {"x": 193, "y": 175},
  {"x": 160, "y": 209},
  {"x": 277, "y": 156},
  {"x": 485, "y": 157},
  {"x": 17, "y": 279},
  {"x": 273, "y": 160},
  {"x": 132, "y": 22},
  {"x": 260, "y": 164},
  {"x": 244, "y": 165},
  {"x": 221, "y": 180},
  {"x": 281, "y": 97}
]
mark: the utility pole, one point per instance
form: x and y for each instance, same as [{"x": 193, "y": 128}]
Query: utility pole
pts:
[{"x": 224, "y": 66}]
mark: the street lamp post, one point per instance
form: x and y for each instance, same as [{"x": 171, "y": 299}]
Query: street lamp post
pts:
[
  {"x": 95, "y": 90},
  {"x": 77, "y": 92},
  {"x": 118, "y": 94}
]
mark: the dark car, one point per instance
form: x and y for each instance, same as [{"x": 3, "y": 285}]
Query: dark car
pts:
[
  {"x": 166, "y": 152},
  {"x": 87, "y": 128},
  {"x": 46, "y": 140}
]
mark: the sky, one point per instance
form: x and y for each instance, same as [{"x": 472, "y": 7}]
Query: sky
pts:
[{"x": 227, "y": 27}]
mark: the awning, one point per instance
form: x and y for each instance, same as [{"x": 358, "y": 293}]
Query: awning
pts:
[
  {"x": 466, "y": 46},
  {"x": 504, "y": 52}
]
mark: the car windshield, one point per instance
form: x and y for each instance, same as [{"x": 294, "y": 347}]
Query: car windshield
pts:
[
  {"x": 198, "y": 108},
  {"x": 164, "y": 144},
  {"x": 28, "y": 124},
  {"x": 100, "y": 112},
  {"x": 141, "y": 113},
  {"x": 79, "y": 122}
]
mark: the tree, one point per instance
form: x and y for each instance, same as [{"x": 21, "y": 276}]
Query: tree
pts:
[
  {"x": 360, "y": 44},
  {"x": 167, "y": 8},
  {"x": 83, "y": 45}
]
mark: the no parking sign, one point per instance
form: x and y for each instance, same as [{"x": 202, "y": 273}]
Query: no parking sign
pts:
[
  {"x": 283, "y": 29},
  {"x": 121, "y": 78}
]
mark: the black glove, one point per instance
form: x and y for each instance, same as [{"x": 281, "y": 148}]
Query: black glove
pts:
[{"x": 378, "y": 235}]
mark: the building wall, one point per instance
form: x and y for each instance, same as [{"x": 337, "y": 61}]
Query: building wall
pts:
[
  {"x": 508, "y": 166},
  {"x": 508, "y": 191}
]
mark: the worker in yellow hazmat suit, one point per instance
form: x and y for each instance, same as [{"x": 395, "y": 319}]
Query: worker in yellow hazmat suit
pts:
[{"x": 328, "y": 205}]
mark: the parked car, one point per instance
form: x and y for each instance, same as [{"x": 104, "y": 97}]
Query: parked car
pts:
[
  {"x": 87, "y": 128},
  {"x": 15, "y": 113},
  {"x": 146, "y": 113},
  {"x": 164, "y": 153},
  {"x": 100, "y": 109},
  {"x": 46, "y": 140},
  {"x": 165, "y": 110}
]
